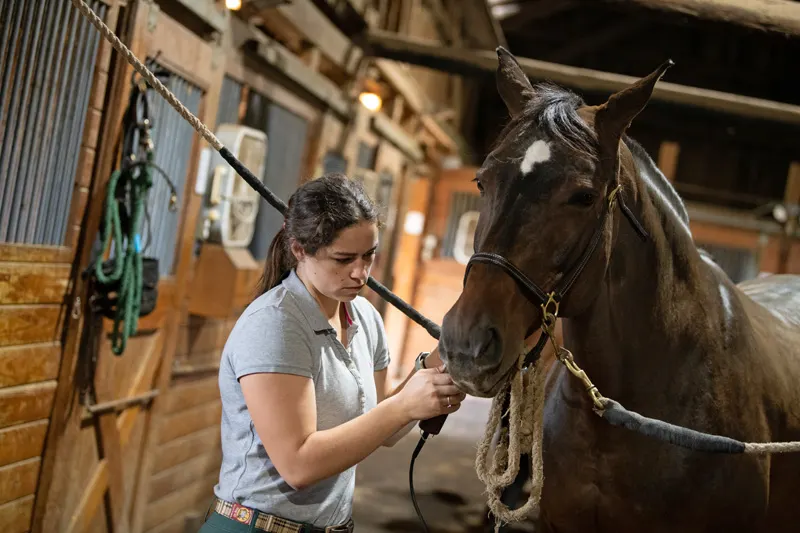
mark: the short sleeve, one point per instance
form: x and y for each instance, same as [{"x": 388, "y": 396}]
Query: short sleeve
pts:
[
  {"x": 270, "y": 340},
  {"x": 380, "y": 357}
]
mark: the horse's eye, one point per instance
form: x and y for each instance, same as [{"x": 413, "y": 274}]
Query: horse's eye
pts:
[
  {"x": 479, "y": 184},
  {"x": 583, "y": 198}
]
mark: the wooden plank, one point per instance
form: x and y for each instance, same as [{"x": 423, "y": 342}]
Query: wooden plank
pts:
[
  {"x": 290, "y": 65},
  {"x": 201, "y": 335},
  {"x": 176, "y": 524},
  {"x": 397, "y": 136},
  {"x": 92, "y": 498},
  {"x": 668, "y": 153},
  {"x": 33, "y": 283},
  {"x": 35, "y": 254},
  {"x": 184, "y": 448},
  {"x": 29, "y": 324},
  {"x": 173, "y": 479},
  {"x": 162, "y": 510},
  {"x": 26, "y": 403},
  {"x": 18, "y": 479},
  {"x": 188, "y": 421},
  {"x": 320, "y": 31},
  {"x": 185, "y": 245},
  {"x": 188, "y": 395},
  {"x": 211, "y": 13},
  {"x": 764, "y": 15},
  {"x": 22, "y": 441},
  {"x": 459, "y": 60},
  {"x": 29, "y": 363},
  {"x": 15, "y": 517}
]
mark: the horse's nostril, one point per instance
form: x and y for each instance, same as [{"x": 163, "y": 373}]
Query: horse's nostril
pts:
[{"x": 488, "y": 343}]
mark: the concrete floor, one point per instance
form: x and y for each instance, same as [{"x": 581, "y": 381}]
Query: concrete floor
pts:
[{"x": 449, "y": 493}]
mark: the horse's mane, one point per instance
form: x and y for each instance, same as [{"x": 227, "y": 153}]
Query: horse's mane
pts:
[
  {"x": 554, "y": 112},
  {"x": 655, "y": 179}
]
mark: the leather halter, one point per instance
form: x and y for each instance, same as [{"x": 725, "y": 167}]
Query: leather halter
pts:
[{"x": 550, "y": 301}]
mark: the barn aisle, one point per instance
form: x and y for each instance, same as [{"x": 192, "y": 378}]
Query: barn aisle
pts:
[{"x": 448, "y": 490}]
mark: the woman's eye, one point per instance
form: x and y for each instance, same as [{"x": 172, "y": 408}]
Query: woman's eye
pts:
[
  {"x": 343, "y": 261},
  {"x": 583, "y": 198}
]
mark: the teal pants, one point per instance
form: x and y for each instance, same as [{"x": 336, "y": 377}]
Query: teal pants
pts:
[{"x": 219, "y": 524}]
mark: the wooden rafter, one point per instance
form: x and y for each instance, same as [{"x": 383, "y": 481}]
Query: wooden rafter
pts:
[
  {"x": 432, "y": 55},
  {"x": 782, "y": 16}
]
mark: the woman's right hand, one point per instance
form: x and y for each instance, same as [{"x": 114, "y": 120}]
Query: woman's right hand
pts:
[{"x": 429, "y": 393}]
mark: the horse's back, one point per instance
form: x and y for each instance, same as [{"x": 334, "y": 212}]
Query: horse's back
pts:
[{"x": 779, "y": 294}]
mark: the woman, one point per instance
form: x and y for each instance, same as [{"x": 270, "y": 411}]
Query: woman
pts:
[{"x": 303, "y": 374}]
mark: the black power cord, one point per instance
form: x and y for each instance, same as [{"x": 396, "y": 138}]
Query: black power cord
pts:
[{"x": 414, "y": 455}]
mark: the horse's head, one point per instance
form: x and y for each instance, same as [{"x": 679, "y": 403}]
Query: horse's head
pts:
[{"x": 545, "y": 191}]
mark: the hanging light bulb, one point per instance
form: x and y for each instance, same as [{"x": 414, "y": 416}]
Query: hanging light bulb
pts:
[
  {"x": 370, "y": 100},
  {"x": 370, "y": 95},
  {"x": 233, "y": 5}
]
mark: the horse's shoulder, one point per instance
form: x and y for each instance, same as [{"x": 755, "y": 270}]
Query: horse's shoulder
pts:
[{"x": 778, "y": 293}]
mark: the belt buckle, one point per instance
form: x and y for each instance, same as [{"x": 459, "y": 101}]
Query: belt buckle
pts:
[{"x": 241, "y": 514}]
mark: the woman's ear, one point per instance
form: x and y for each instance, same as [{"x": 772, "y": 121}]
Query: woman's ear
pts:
[{"x": 297, "y": 250}]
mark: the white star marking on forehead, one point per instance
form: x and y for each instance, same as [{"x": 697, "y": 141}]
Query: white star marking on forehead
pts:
[{"x": 538, "y": 152}]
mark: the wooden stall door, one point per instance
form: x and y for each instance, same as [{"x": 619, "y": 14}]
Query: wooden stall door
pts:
[
  {"x": 100, "y": 459},
  {"x": 53, "y": 72}
]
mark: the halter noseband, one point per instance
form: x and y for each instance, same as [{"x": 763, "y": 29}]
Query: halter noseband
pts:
[{"x": 550, "y": 301}]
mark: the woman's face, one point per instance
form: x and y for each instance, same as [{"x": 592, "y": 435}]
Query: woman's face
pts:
[{"x": 340, "y": 270}]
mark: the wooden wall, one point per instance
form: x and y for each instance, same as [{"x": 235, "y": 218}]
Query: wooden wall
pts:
[{"x": 35, "y": 311}]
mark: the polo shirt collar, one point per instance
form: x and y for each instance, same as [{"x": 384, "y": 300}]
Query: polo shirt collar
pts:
[{"x": 310, "y": 307}]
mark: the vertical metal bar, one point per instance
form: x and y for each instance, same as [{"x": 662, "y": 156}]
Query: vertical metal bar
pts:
[
  {"x": 45, "y": 127},
  {"x": 82, "y": 91},
  {"x": 7, "y": 58},
  {"x": 9, "y": 157},
  {"x": 168, "y": 225},
  {"x": 70, "y": 117},
  {"x": 61, "y": 93},
  {"x": 23, "y": 198}
]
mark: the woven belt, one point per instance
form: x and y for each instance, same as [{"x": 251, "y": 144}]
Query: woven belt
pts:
[{"x": 271, "y": 523}]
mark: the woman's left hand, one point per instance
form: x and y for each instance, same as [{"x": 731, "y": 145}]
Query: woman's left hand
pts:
[{"x": 433, "y": 360}]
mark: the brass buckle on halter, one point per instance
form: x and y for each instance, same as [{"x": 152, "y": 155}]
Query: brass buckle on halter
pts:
[
  {"x": 612, "y": 196},
  {"x": 549, "y": 317}
]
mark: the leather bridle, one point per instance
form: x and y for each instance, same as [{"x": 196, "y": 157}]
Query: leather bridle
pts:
[{"x": 550, "y": 301}]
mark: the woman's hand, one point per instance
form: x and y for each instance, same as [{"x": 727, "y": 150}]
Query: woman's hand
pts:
[{"x": 429, "y": 393}]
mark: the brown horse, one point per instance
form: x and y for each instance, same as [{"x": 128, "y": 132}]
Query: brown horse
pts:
[{"x": 654, "y": 323}]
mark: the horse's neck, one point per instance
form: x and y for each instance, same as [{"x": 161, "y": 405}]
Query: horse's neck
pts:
[{"x": 657, "y": 317}]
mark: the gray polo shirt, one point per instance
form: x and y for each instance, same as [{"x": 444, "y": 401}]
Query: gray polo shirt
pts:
[{"x": 285, "y": 331}]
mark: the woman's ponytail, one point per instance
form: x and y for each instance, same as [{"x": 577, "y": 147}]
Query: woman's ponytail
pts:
[{"x": 280, "y": 260}]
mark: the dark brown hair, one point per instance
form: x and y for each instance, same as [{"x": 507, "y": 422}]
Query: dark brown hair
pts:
[{"x": 318, "y": 210}]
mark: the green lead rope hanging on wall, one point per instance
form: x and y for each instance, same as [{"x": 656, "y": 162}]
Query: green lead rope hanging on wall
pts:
[{"x": 130, "y": 277}]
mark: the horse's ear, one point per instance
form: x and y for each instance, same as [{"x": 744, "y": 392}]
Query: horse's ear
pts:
[
  {"x": 513, "y": 85},
  {"x": 614, "y": 116}
]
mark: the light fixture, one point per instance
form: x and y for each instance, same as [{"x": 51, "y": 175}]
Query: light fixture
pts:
[
  {"x": 233, "y": 5},
  {"x": 780, "y": 213},
  {"x": 370, "y": 100},
  {"x": 370, "y": 95}
]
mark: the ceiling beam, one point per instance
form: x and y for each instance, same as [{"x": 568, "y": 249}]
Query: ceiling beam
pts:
[
  {"x": 782, "y": 16},
  {"x": 433, "y": 55}
]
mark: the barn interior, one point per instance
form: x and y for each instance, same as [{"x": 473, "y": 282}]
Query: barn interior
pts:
[{"x": 109, "y": 432}]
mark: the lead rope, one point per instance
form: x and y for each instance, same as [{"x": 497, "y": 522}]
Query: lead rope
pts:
[{"x": 524, "y": 433}]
